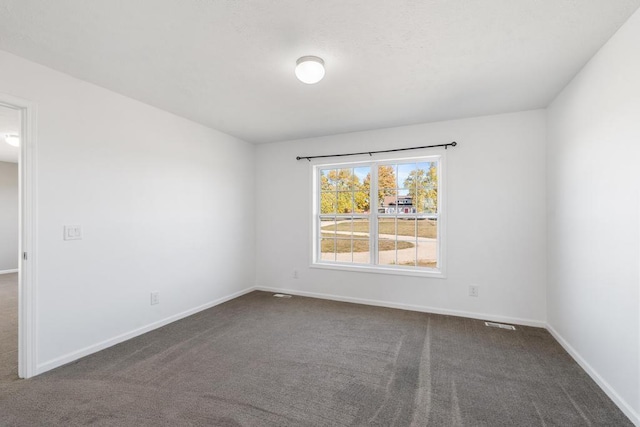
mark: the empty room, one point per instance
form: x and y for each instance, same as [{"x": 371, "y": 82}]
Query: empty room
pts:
[{"x": 320, "y": 213}]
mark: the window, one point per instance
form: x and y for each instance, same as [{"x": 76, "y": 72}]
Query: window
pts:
[{"x": 384, "y": 216}]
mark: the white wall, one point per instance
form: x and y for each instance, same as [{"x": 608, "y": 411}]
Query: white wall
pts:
[
  {"x": 496, "y": 218},
  {"x": 593, "y": 216},
  {"x": 165, "y": 205},
  {"x": 8, "y": 216}
]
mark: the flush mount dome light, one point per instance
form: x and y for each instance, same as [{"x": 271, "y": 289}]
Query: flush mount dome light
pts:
[
  {"x": 310, "y": 69},
  {"x": 13, "y": 140}
]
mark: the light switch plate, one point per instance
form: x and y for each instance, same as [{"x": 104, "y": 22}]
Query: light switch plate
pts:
[{"x": 72, "y": 232}]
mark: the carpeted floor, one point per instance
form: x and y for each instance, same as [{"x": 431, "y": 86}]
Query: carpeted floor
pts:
[
  {"x": 265, "y": 361},
  {"x": 8, "y": 327}
]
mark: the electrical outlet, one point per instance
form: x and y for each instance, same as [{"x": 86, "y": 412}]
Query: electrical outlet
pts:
[
  {"x": 474, "y": 290},
  {"x": 295, "y": 274},
  {"x": 72, "y": 232},
  {"x": 155, "y": 298}
]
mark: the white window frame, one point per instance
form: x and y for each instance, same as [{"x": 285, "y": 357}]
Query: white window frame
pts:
[{"x": 373, "y": 267}]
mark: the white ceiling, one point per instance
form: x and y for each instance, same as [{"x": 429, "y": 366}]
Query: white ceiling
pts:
[
  {"x": 9, "y": 124},
  {"x": 229, "y": 64}
]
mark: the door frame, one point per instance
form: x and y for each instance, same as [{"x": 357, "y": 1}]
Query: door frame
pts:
[{"x": 27, "y": 271}]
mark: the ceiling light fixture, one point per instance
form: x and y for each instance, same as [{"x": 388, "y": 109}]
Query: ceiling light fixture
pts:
[
  {"x": 310, "y": 69},
  {"x": 13, "y": 140}
]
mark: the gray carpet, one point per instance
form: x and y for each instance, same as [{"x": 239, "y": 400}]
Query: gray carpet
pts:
[
  {"x": 265, "y": 361},
  {"x": 8, "y": 327}
]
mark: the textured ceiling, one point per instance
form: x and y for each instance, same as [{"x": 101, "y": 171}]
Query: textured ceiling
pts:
[{"x": 229, "y": 64}]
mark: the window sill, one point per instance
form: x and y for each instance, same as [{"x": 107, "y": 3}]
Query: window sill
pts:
[{"x": 435, "y": 274}]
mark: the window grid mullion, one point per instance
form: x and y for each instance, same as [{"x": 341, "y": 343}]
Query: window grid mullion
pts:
[
  {"x": 415, "y": 218},
  {"x": 415, "y": 238},
  {"x": 396, "y": 231},
  {"x": 373, "y": 213}
]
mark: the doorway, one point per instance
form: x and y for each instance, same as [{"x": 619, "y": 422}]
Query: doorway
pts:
[
  {"x": 9, "y": 241},
  {"x": 17, "y": 249}
]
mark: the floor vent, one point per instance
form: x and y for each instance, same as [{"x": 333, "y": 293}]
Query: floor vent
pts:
[
  {"x": 500, "y": 325},
  {"x": 282, "y": 296}
]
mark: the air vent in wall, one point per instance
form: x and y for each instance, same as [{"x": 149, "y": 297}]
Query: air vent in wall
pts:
[
  {"x": 282, "y": 296},
  {"x": 500, "y": 325}
]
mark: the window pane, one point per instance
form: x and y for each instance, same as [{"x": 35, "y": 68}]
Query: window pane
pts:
[
  {"x": 343, "y": 179},
  {"x": 407, "y": 228},
  {"x": 405, "y": 202},
  {"x": 427, "y": 253},
  {"x": 387, "y": 188},
  {"x": 328, "y": 226},
  {"x": 327, "y": 249},
  {"x": 427, "y": 228},
  {"x": 387, "y": 226},
  {"x": 362, "y": 178},
  {"x": 397, "y": 241},
  {"x": 387, "y": 176},
  {"x": 387, "y": 201},
  {"x": 426, "y": 165},
  {"x": 343, "y": 249},
  {"x": 361, "y": 228},
  {"x": 406, "y": 175},
  {"x": 361, "y": 254},
  {"x": 344, "y": 227},
  {"x": 406, "y": 252},
  {"x": 357, "y": 228},
  {"x": 328, "y": 203},
  {"x": 361, "y": 202},
  {"x": 345, "y": 202},
  {"x": 427, "y": 187},
  {"x": 386, "y": 252},
  {"x": 426, "y": 204},
  {"x": 387, "y": 241},
  {"x": 427, "y": 243},
  {"x": 411, "y": 179},
  {"x": 325, "y": 182}
]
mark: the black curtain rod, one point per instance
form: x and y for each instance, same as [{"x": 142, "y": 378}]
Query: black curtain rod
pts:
[{"x": 452, "y": 144}]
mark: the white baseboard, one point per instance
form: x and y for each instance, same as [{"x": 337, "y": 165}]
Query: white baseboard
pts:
[
  {"x": 604, "y": 385},
  {"x": 70, "y": 357},
  {"x": 15, "y": 270},
  {"x": 410, "y": 307}
]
